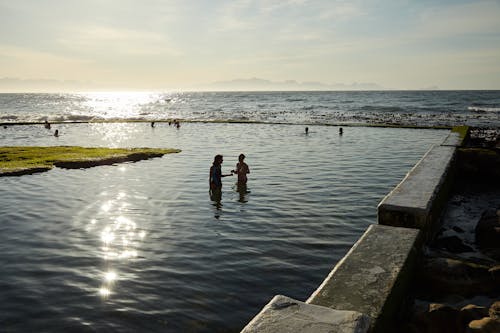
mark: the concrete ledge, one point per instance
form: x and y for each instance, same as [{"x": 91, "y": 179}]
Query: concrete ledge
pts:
[
  {"x": 373, "y": 277},
  {"x": 453, "y": 139},
  {"x": 457, "y": 136},
  {"x": 416, "y": 201},
  {"x": 284, "y": 314}
]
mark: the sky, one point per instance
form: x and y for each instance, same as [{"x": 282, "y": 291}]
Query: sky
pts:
[{"x": 184, "y": 44}]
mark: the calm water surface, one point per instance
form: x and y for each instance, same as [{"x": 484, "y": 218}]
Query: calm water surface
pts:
[{"x": 140, "y": 246}]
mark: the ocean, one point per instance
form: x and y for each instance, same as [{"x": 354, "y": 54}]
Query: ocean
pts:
[
  {"x": 412, "y": 108},
  {"x": 142, "y": 247}
]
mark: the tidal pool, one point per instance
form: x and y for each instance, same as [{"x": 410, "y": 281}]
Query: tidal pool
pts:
[{"x": 141, "y": 247}]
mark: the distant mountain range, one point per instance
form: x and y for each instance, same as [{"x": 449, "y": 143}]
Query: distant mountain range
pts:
[
  {"x": 253, "y": 84},
  {"x": 266, "y": 85}
]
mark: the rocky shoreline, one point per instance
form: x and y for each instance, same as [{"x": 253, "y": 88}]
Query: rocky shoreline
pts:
[{"x": 458, "y": 278}]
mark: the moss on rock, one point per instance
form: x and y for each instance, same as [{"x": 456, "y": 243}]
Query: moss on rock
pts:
[{"x": 15, "y": 161}]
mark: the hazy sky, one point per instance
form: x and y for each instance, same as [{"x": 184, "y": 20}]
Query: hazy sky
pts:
[{"x": 159, "y": 44}]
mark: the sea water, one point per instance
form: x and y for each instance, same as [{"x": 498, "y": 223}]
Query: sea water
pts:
[
  {"x": 142, "y": 247},
  {"x": 421, "y": 108}
]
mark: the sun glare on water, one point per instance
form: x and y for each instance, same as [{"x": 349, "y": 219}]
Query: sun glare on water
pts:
[
  {"x": 120, "y": 237},
  {"x": 119, "y": 105}
]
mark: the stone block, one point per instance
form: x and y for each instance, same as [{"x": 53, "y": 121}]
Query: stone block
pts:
[
  {"x": 418, "y": 199},
  {"x": 373, "y": 277},
  {"x": 453, "y": 139},
  {"x": 284, "y": 314}
]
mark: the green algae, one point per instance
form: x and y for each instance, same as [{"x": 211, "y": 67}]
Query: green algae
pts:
[
  {"x": 27, "y": 159},
  {"x": 463, "y": 132}
]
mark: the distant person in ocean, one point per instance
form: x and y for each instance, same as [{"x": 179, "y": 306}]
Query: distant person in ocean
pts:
[
  {"x": 307, "y": 130},
  {"x": 56, "y": 133},
  {"x": 46, "y": 124},
  {"x": 341, "y": 131},
  {"x": 152, "y": 124},
  {"x": 177, "y": 124},
  {"x": 215, "y": 178},
  {"x": 241, "y": 170}
]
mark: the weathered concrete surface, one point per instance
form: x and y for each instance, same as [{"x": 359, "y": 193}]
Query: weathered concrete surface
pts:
[
  {"x": 284, "y": 314},
  {"x": 457, "y": 136},
  {"x": 453, "y": 139},
  {"x": 373, "y": 277},
  {"x": 416, "y": 202}
]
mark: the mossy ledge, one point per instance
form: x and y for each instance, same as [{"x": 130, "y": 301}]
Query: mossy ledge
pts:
[{"x": 23, "y": 160}]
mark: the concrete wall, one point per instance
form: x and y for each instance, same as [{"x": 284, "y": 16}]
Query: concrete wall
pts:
[{"x": 374, "y": 275}]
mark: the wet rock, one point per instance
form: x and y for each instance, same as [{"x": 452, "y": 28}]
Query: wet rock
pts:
[
  {"x": 488, "y": 233},
  {"x": 494, "y": 310},
  {"x": 448, "y": 276},
  {"x": 472, "y": 312},
  {"x": 485, "y": 325},
  {"x": 495, "y": 272},
  {"x": 439, "y": 319},
  {"x": 452, "y": 244}
]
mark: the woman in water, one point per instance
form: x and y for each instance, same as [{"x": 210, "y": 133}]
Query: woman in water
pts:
[
  {"x": 241, "y": 170},
  {"x": 215, "y": 177}
]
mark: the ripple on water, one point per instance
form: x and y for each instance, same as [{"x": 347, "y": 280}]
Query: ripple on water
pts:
[{"x": 140, "y": 246}]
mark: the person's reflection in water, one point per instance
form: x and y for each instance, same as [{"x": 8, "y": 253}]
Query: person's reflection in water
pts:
[
  {"x": 243, "y": 191},
  {"x": 216, "y": 197}
]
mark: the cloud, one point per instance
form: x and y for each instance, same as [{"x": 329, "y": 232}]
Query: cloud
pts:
[
  {"x": 103, "y": 39},
  {"x": 35, "y": 63},
  {"x": 461, "y": 19}
]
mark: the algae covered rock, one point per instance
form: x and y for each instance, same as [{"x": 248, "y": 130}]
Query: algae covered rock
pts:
[{"x": 488, "y": 233}]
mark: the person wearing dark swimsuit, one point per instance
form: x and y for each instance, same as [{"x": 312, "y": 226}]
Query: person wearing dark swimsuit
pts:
[{"x": 215, "y": 178}]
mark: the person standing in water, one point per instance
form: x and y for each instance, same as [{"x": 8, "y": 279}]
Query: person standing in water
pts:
[
  {"x": 215, "y": 177},
  {"x": 241, "y": 170}
]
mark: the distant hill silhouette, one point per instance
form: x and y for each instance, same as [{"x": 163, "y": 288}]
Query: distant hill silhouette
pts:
[
  {"x": 253, "y": 84},
  {"x": 263, "y": 85}
]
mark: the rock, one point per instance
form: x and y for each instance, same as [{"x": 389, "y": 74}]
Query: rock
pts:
[
  {"x": 451, "y": 276},
  {"x": 452, "y": 244},
  {"x": 441, "y": 318},
  {"x": 485, "y": 325},
  {"x": 458, "y": 229},
  {"x": 488, "y": 232},
  {"x": 495, "y": 273},
  {"x": 494, "y": 310},
  {"x": 472, "y": 312}
]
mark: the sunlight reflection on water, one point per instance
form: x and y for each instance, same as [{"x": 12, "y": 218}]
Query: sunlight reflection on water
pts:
[
  {"x": 123, "y": 105},
  {"x": 120, "y": 237}
]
